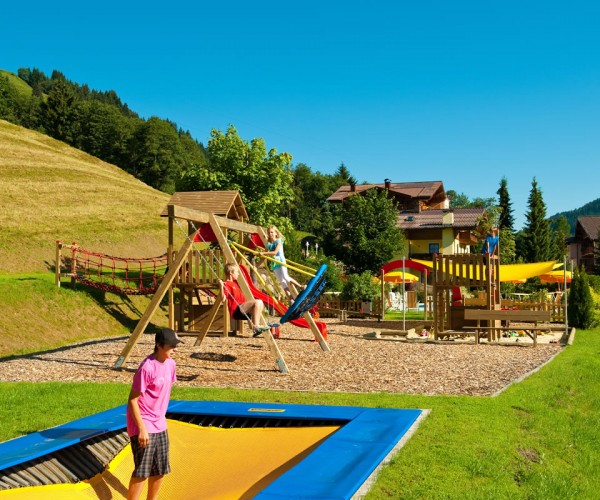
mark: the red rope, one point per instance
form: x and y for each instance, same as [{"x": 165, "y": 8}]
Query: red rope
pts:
[{"x": 117, "y": 274}]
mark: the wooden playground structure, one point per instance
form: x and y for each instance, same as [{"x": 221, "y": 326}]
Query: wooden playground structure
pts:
[
  {"x": 192, "y": 282},
  {"x": 489, "y": 314}
]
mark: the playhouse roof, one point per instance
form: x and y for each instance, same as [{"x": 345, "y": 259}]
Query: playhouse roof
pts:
[{"x": 224, "y": 203}]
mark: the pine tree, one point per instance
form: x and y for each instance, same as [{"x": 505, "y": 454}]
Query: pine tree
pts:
[
  {"x": 507, "y": 220},
  {"x": 560, "y": 233},
  {"x": 57, "y": 111},
  {"x": 537, "y": 241}
]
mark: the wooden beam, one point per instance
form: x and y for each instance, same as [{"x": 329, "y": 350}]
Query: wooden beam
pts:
[
  {"x": 204, "y": 217},
  {"x": 212, "y": 314},
  {"x": 155, "y": 302}
]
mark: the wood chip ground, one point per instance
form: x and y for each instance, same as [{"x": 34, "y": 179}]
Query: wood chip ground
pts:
[{"x": 410, "y": 365}]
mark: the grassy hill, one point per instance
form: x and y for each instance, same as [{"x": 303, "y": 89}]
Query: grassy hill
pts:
[
  {"x": 51, "y": 191},
  {"x": 16, "y": 82}
]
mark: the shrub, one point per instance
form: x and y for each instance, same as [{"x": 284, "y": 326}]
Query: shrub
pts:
[
  {"x": 359, "y": 287},
  {"x": 581, "y": 304}
]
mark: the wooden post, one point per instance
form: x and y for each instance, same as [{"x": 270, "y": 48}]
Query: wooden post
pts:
[
  {"x": 171, "y": 294},
  {"x": 382, "y": 317},
  {"x": 73, "y": 263},
  {"x": 155, "y": 302},
  {"x": 58, "y": 264}
]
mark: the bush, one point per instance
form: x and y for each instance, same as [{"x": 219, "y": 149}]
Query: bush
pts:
[
  {"x": 594, "y": 282},
  {"x": 360, "y": 287},
  {"x": 581, "y": 304}
]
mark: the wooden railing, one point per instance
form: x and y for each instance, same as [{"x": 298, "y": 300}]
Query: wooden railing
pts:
[
  {"x": 556, "y": 306},
  {"x": 329, "y": 307}
]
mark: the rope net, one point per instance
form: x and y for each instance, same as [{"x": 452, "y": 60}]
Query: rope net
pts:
[{"x": 128, "y": 276}]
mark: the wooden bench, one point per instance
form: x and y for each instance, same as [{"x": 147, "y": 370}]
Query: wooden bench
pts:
[
  {"x": 341, "y": 314},
  {"x": 528, "y": 321}
]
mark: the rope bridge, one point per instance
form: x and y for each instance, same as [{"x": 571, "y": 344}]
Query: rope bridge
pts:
[{"x": 119, "y": 275}]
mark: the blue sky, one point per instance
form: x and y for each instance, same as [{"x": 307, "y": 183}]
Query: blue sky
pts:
[{"x": 465, "y": 92}]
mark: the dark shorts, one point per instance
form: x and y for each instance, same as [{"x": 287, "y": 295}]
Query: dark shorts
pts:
[
  {"x": 152, "y": 460},
  {"x": 238, "y": 314}
]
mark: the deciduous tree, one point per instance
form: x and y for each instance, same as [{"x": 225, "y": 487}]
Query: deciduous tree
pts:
[
  {"x": 363, "y": 232},
  {"x": 263, "y": 178}
]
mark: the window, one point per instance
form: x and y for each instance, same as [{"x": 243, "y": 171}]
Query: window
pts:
[{"x": 434, "y": 248}]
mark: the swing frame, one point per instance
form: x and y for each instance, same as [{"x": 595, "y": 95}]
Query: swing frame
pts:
[{"x": 219, "y": 226}]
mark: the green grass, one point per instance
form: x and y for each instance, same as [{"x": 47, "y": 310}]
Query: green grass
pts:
[
  {"x": 536, "y": 440},
  {"x": 409, "y": 315},
  {"x": 21, "y": 86},
  {"x": 37, "y": 315}
]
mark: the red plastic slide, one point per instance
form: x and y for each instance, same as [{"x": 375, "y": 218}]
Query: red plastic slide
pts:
[{"x": 279, "y": 306}]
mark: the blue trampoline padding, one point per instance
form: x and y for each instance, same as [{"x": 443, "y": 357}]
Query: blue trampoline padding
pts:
[
  {"x": 308, "y": 297},
  {"x": 335, "y": 469},
  {"x": 41, "y": 443},
  {"x": 343, "y": 462}
]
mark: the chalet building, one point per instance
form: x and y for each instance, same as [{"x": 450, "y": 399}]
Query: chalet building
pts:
[
  {"x": 582, "y": 247},
  {"x": 430, "y": 226}
]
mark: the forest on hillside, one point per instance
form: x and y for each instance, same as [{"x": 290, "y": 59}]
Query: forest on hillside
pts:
[{"x": 275, "y": 191}]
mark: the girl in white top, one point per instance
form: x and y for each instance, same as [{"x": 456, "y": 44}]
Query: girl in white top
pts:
[{"x": 275, "y": 249}]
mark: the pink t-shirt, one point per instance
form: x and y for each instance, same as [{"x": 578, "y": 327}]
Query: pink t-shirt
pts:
[{"x": 154, "y": 381}]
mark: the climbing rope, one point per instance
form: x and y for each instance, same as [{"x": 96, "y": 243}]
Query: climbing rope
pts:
[{"x": 119, "y": 275}]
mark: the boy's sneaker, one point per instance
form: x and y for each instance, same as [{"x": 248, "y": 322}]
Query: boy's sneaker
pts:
[{"x": 259, "y": 330}]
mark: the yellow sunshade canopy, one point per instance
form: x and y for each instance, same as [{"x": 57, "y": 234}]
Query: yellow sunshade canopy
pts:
[{"x": 513, "y": 272}]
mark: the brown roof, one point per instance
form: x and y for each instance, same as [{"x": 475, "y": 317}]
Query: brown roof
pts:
[
  {"x": 419, "y": 190},
  {"x": 590, "y": 225},
  {"x": 464, "y": 218},
  {"x": 224, "y": 203}
]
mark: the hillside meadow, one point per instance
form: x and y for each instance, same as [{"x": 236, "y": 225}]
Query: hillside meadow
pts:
[
  {"x": 51, "y": 191},
  {"x": 536, "y": 440}
]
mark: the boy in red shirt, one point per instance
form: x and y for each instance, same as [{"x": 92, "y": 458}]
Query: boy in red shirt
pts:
[
  {"x": 146, "y": 416},
  {"x": 239, "y": 307}
]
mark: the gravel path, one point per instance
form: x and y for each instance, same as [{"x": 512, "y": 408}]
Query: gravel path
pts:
[{"x": 354, "y": 364}]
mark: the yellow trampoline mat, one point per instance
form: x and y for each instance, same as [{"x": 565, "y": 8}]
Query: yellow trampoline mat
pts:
[{"x": 206, "y": 462}]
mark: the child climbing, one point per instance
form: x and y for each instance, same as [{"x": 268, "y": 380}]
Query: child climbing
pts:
[
  {"x": 275, "y": 249},
  {"x": 490, "y": 245}
]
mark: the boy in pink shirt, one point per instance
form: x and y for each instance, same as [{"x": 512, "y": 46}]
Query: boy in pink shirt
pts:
[{"x": 146, "y": 415}]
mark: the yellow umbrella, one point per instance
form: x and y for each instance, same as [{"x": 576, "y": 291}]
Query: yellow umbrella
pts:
[
  {"x": 399, "y": 277},
  {"x": 555, "y": 277}
]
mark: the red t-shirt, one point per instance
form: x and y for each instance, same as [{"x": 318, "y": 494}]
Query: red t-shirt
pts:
[{"x": 234, "y": 295}]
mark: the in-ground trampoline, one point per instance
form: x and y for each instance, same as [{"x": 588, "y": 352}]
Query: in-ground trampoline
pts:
[{"x": 218, "y": 450}]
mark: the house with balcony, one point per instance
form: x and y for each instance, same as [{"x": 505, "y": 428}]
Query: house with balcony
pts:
[
  {"x": 582, "y": 247},
  {"x": 424, "y": 214}
]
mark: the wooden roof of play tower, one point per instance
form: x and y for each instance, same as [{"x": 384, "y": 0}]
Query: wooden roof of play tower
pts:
[{"x": 224, "y": 203}]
